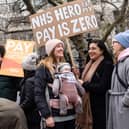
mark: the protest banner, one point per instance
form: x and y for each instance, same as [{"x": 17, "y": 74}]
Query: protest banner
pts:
[
  {"x": 69, "y": 19},
  {"x": 16, "y": 50}
]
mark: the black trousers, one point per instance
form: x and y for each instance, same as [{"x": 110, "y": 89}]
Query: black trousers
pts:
[{"x": 64, "y": 125}]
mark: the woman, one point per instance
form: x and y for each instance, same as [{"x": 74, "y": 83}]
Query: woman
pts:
[
  {"x": 97, "y": 78},
  {"x": 47, "y": 103},
  {"x": 27, "y": 91},
  {"x": 118, "y": 113}
]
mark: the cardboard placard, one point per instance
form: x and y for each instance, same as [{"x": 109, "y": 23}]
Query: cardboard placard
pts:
[
  {"x": 16, "y": 50},
  {"x": 63, "y": 21}
]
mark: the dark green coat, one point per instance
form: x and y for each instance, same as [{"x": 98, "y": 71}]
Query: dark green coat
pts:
[{"x": 9, "y": 87}]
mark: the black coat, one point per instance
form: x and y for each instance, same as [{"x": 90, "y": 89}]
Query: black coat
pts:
[
  {"x": 27, "y": 103},
  {"x": 42, "y": 78},
  {"x": 100, "y": 83}
]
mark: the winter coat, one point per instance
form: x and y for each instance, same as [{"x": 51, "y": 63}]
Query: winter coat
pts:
[
  {"x": 99, "y": 85},
  {"x": 11, "y": 115},
  {"x": 28, "y": 104},
  {"x": 43, "y": 93},
  {"x": 9, "y": 87},
  {"x": 118, "y": 104}
]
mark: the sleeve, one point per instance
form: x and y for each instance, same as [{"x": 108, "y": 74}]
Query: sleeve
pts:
[
  {"x": 104, "y": 81},
  {"x": 80, "y": 89},
  {"x": 40, "y": 92},
  {"x": 17, "y": 81},
  {"x": 29, "y": 98},
  {"x": 125, "y": 99}
]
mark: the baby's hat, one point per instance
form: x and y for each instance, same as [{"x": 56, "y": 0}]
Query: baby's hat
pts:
[{"x": 63, "y": 66}]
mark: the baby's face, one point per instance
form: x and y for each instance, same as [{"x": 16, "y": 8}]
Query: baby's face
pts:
[{"x": 66, "y": 70}]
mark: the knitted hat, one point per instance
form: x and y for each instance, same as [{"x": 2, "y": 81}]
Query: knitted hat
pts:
[
  {"x": 51, "y": 44},
  {"x": 30, "y": 62},
  {"x": 123, "y": 38}
]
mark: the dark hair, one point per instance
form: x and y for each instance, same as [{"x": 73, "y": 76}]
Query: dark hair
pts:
[
  {"x": 102, "y": 46},
  {"x": 42, "y": 52},
  {"x": 2, "y": 50}
]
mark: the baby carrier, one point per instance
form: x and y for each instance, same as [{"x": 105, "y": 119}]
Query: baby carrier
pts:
[{"x": 67, "y": 88}]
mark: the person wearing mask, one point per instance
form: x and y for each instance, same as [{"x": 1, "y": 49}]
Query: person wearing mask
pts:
[
  {"x": 44, "y": 77},
  {"x": 96, "y": 82},
  {"x": 118, "y": 104},
  {"x": 27, "y": 102},
  {"x": 11, "y": 115}
]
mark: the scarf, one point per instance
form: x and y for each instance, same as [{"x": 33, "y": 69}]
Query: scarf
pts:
[
  {"x": 123, "y": 54},
  {"x": 84, "y": 120},
  {"x": 90, "y": 69}
]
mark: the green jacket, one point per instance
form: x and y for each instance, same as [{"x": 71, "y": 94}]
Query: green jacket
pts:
[{"x": 9, "y": 87}]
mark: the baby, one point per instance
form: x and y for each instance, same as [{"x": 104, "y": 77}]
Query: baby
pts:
[{"x": 66, "y": 87}]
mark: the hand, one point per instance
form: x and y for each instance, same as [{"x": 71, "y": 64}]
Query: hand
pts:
[
  {"x": 76, "y": 72},
  {"x": 50, "y": 122},
  {"x": 80, "y": 81}
]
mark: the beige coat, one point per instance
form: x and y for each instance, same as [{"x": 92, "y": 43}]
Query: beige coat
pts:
[
  {"x": 84, "y": 120},
  {"x": 11, "y": 115}
]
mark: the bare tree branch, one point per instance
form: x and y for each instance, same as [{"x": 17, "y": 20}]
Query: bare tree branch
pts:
[
  {"x": 120, "y": 18},
  {"x": 103, "y": 1},
  {"x": 55, "y": 3},
  {"x": 3, "y": 30},
  {"x": 29, "y": 6}
]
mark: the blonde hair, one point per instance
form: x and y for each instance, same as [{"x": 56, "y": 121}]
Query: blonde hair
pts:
[{"x": 50, "y": 61}]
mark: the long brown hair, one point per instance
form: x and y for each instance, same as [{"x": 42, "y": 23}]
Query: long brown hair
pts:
[{"x": 50, "y": 61}]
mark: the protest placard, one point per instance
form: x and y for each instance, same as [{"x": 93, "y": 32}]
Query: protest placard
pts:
[
  {"x": 63, "y": 21},
  {"x": 16, "y": 50}
]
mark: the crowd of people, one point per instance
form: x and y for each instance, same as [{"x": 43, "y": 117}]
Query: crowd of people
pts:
[{"x": 52, "y": 97}]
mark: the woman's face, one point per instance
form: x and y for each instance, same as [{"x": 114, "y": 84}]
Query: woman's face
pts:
[
  {"x": 94, "y": 51},
  {"x": 117, "y": 48},
  {"x": 59, "y": 51}
]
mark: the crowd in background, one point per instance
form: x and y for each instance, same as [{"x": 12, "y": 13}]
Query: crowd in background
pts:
[{"x": 97, "y": 99}]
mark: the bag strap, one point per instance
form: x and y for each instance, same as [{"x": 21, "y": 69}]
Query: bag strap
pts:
[{"x": 120, "y": 80}]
